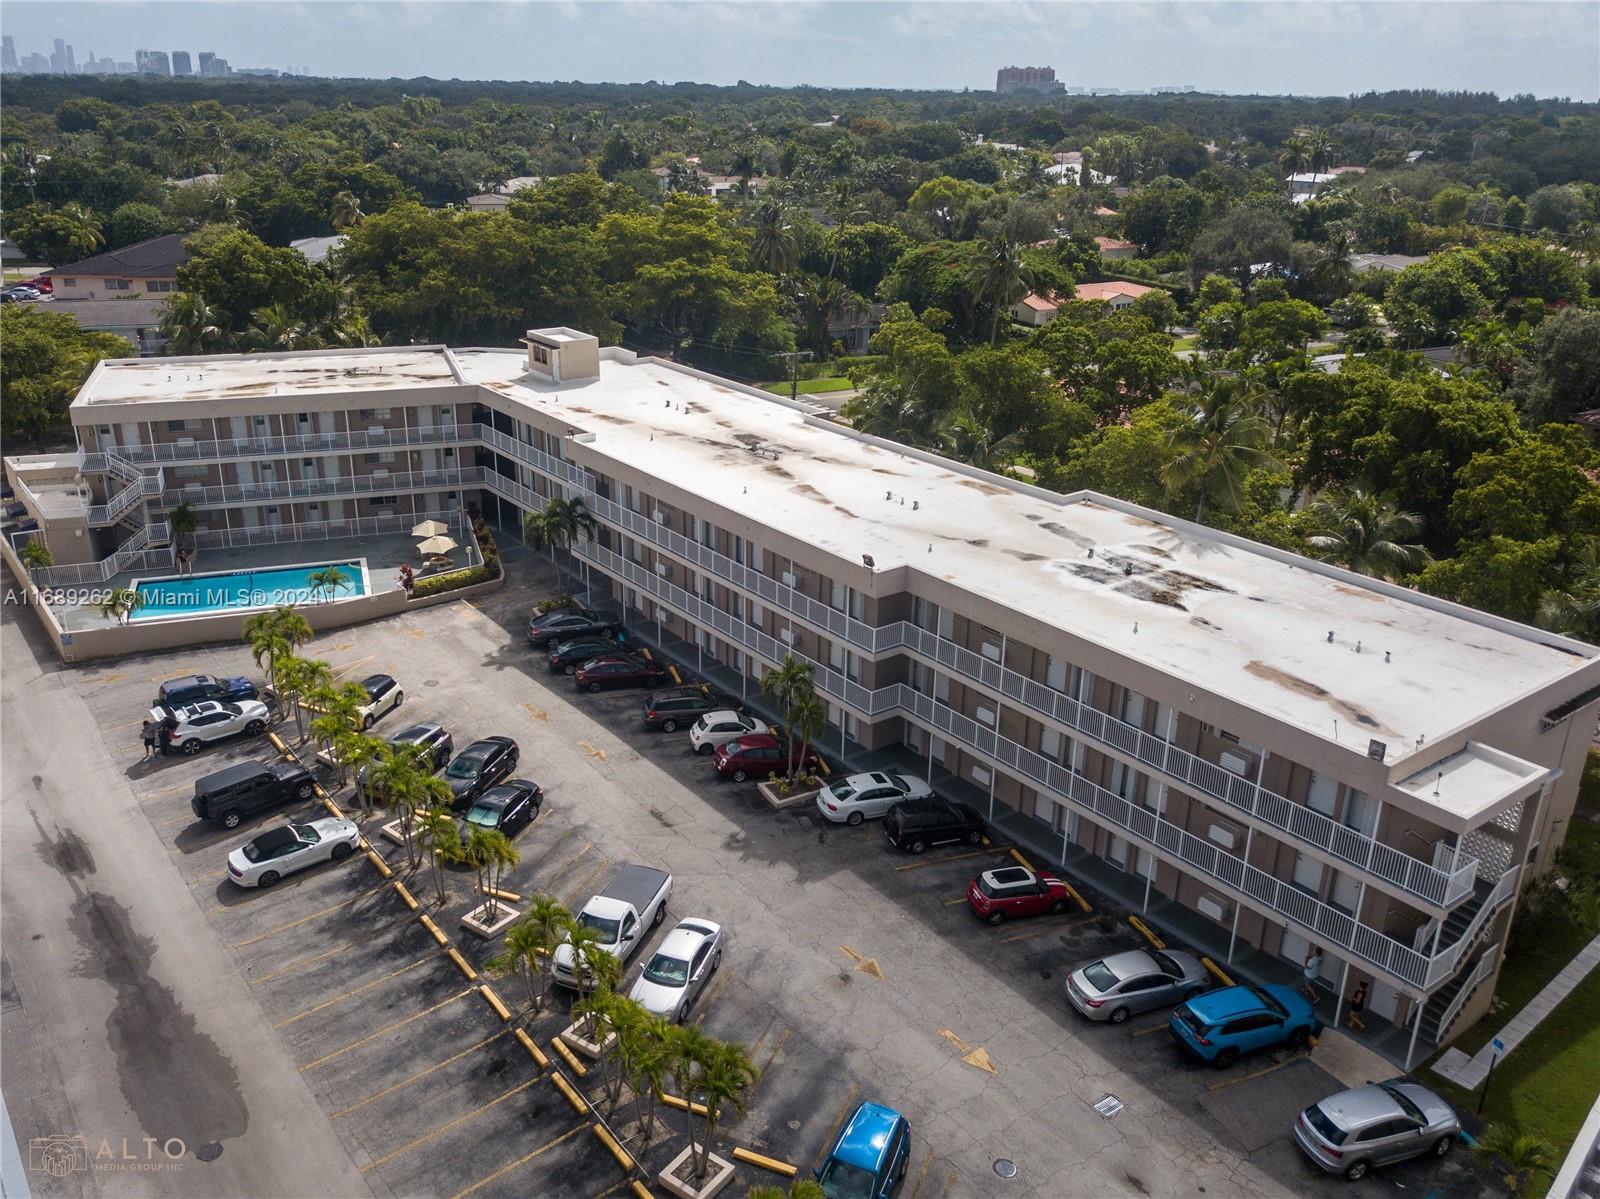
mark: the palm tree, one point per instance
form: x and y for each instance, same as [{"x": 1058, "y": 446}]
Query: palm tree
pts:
[
  {"x": 1319, "y": 149},
  {"x": 1332, "y": 273},
  {"x": 347, "y": 212},
  {"x": 177, "y": 138},
  {"x": 1223, "y": 440},
  {"x": 644, "y": 1051},
  {"x": 36, "y": 555},
  {"x": 787, "y": 686},
  {"x": 968, "y": 437},
  {"x": 1292, "y": 160},
  {"x": 444, "y": 843},
  {"x": 1574, "y": 608},
  {"x": 800, "y": 1188},
  {"x": 357, "y": 752},
  {"x": 190, "y": 325},
  {"x": 402, "y": 783},
  {"x": 274, "y": 635},
  {"x": 121, "y": 604},
  {"x": 1366, "y": 533},
  {"x": 295, "y": 679},
  {"x": 278, "y": 328},
  {"x": 338, "y": 712},
  {"x": 1522, "y": 1155},
  {"x": 722, "y": 1076},
  {"x": 529, "y": 944},
  {"x": 773, "y": 245},
  {"x": 86, "y": 229},
  {"x": 1001, "y": 278},
  {"x": 561, "y": 523},
  {"x": 806, "y": 718},
  {"x": 842, "y": 205},
  {"x": 182, "y": 522},
  {"x": 328, "y": 582},
  {"x": 490, "y": 853}
]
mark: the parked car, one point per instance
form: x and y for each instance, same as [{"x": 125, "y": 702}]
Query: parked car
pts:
[
  {"x": 21, "y": 292},
  {"x": 760, "y": 754},
  {"x": 478, "y": 767},
  {"x": 564, "y": 624},
  {"x": 567, "y": 656},
  {"x": 1220, "y": 1025},
  {"x": 669, "y": 710},
  {"x": 618, "y": 670},
  {"x": 915, "y": 824},
  {"x": 383, "y": 696},
  {"x": 1013, "y": 891},
  {"x": 281, "y": 851},
  {"x": 192, "y": 688},
  {"x": 677, "y": 973},
  {"x": 622, "y": 914},
  {"x": 720, "y": 726},
  {"x": 509, "y": 807},
  {"x": 187, "y": 728},
  {"x": 1374, "y": 1125},
  {"x": 228, "y": 796},
  {"x": 431, "y": 737},
  {"x": 1116, "y": 987},
  {"x": 868, "y": 796},
  {"x": 869, "y": 1156}
]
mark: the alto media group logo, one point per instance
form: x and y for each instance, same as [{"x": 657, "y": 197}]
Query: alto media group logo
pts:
[{"x": 61, "y": 1155}]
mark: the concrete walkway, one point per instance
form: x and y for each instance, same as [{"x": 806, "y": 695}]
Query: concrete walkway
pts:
[{"x": 1469, "y": 1072}]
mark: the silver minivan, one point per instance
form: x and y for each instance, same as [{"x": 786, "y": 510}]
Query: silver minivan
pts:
[{"x": 1368, "y": 1126}]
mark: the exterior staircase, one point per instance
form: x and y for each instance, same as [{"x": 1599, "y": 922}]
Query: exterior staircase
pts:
[{"x": 1443, "y": 1005}]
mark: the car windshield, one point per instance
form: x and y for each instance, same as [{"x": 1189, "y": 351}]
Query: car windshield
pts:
[
  {"x": 1169, "y": 965},
  {"x": 230, "y": 709},
  {"x": 464, "y": 767},
  {"x": 307, "y": 834},
  {"x": 1099, "y": 976},
  {"x": 667, "y": 971},
  {"x": 1270, "y": 1002},
  {"x": 1326, "y": 1128},
  {"x": 608, "y": 929},
  {"x": 1404, "y": 1100},
  {"x": 488, "y": 817},
  {"x": 841, "y": 1180}
]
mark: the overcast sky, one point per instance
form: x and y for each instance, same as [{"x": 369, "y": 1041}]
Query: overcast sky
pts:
[{"x": 1299, "y": 46}]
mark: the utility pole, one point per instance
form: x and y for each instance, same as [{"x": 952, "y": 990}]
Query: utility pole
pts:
[{"x": 793, "y": 358}]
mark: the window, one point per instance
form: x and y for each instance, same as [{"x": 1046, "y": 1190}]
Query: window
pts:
[
  {"x": 117, "y": 284},
  {"x": 1321, "y": 794},
  {"x": 304, "y": 418},
  {"x": 69, "y": 283},
  {"x": 383, "y": 501},
  {"x": 836, "y": 596},
  {"x": 1133, "y": 708},
  {"x": 158, "y": 285},
  {"x": 539, "y": 354}
]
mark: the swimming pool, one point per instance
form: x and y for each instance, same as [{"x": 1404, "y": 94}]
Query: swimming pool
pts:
[{"x": 241, "y": 590}]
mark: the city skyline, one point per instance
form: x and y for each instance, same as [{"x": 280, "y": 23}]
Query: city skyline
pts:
[{"x": 178, "y": 64}]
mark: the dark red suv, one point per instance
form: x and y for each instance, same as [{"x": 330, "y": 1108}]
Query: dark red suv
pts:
[
  {"x": 1012, "y": 891},
  {"x": 618, "y": 670},
  {"x": 760, "y": 754}
]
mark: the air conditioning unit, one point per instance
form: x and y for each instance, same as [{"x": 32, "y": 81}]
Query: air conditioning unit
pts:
[
  {"x": 663, "y": 569},
  {"x": 1210, "y": 905},
  {"x": 790, "y": 579},
  {"x": 1224, "y": 835},
  {"x": 786, "y": 636},
  {"x": 986, "y": 715},
  {"x": 1236, "y": 764},
  {"x": 380, "y": 473},
  {"x": 990, "y": 650},
  {"x": 185, "y": 443}
]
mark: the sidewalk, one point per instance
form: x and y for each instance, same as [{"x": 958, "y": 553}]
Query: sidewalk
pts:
[{"x": 1469, "y": 1072}]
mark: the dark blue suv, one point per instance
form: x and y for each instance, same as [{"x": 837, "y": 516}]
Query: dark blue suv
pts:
[{"x": 1220, "y": 1025}]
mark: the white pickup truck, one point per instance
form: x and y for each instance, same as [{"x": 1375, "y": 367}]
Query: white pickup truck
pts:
[{"x": 623, "y": 913}]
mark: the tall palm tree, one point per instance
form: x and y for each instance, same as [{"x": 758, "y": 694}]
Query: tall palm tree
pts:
[
  {"x": 561, "y": 523},
  {"x": 86, "y": 231},
  {"x": 966, "y": 435},
  {"x": 645, "y": 1051},
  {"x": 786, "y": 686},
  {"x": 406, "y": 786},
  {"x": 490, "y": 853},
  {"x": 1292, "y": 160},
  {"x": 1366, "y": 533},
  {"x": 1521, "y": 1155},
  {"x": 275, "y": 634},
  {"x": 773, "y": 245},
  {"x": 328, "y": 581},
  {"x": 182, "y": 521},
  {"x": 438, "y": 826},
  {"x": 1224, "y": 439},
  {"x": 1001, "y": 278},
  {"x": 528, "y": 945},
  {"x": 1574, "y": 607},
  {"x": 843, "y": 206},
  {"x": 338, "y": 712},
  {"x": 295, "y": 679},
  {"x": 121, "y": 604},
  {"x": 276, "y": 327},
  {"x": 723, "y": 1077},
  {"x": 190, "y": 325},
  {"x": 178, "y": 138},
  {"x": 346, "y": 212},
  {"x": 1319, "y": 149},
  {"x": 1333, "y": 273}
]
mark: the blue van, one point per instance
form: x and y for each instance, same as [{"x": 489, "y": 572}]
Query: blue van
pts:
[
  {"x": 1220, "y": 1025},
  {"x": 869, "y": 1157}
]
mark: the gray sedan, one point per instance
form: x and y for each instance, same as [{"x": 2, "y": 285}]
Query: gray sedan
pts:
[
  {"x": 1368, "y": 1126},
  {"x": 1116, "y": 987}
]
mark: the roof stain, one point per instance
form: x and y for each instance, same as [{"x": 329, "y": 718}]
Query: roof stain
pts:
[
  {"x": 1024, "y": 556},
  {"x": 1358, "y": 592},
  {"x": 986, "y": 488},
  {"x": 1300, "y": 686}
]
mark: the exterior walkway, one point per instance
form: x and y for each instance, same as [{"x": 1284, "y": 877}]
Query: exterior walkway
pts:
[{"x": 1469, "y": 1072}]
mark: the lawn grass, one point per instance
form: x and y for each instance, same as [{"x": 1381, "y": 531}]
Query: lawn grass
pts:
[
  {"x": 1186, "y": 343},
  {"x": 810, "y": 386}
]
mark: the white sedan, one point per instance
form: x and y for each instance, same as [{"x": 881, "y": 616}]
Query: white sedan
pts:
[
  {"x": 719, "y": 728},
  {"x": 868, "y": 796},
  {"x": 281, "y": 851},
  {"x": 677, "y": 973},
  {"x": 192, "y": 725}
]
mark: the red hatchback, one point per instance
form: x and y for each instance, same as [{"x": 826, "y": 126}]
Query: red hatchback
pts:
[
  {"x": 1012, "y": 891},
  {"x": 760, "y": 754}
]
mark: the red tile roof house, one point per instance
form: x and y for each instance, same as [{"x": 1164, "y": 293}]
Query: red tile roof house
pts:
[
  {"x": 1115, "y": 247},
  {"x": 1035, "y": 310}
]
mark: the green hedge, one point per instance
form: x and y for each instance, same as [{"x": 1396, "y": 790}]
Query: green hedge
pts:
[{"x": 452, "y": 580}]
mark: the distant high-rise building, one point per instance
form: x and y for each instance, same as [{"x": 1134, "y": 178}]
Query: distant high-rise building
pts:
[
  {"x": 1027, "y": 79},
  {"x": 204, "y": 60},
  {"x": 152, "y": 62},
  {"x": 180, "y": 63},
  {"x": 35, "y": 64},
  {"x": 8, "y": 53},
  {"x": 61, "y": 59}
]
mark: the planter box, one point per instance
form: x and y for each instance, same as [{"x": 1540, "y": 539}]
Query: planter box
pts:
[
  {"x": 578, "y": 1043},
  {"x": 795, "y": 799},
  {"x": 477, "y": 921},
  {"x": 719, "y": 1176}
]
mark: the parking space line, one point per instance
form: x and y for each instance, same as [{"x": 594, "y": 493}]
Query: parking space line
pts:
[
  {"x": 388, "y": 1028},
  {"x": 365, "y": 939},
  {"x": 1233, "y": 1082},
  {"x": 844, "y": 1112},
  {"x": 327, "y": 1003},
  {"x": 343, "y": 903},
  {"x": 1161, "y": 1027},
  {"x": 444, "y": 1128},
  {"x": 949, "y": 1183},
  {"x": 588, "y": 879},
  {"x": 405, "y": 1082},
  {"x": 955, "y": 857},
  {"x": 716, "y": 990},
  {"x": 1041, "y": 929},
  {"x": 349, "y": 666},
  {"x": 771, "y": 1057},
  {"x": 755, "y": 1045},
  {"x": 950, "y": 903},
  {"x": 522, "y": 1161},
  {"x": 610, "y": 1190},
  {"x": 560, "y": 874},
  {"x": 921, "y": 1174}
]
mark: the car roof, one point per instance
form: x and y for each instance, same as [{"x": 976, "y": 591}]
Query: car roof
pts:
[
  {"x": 187, "y": 680},
  {"x": 482, "y": 748},
  {"x": 727, "y": 714},
  {"x": 613, "y": 656},
  {"x": 689, "y": 691},
  {"x": 875, "y": 778},
  {"x": 865, "y": 1139},
  {"x": 1225, "y": 1003},
  {"x": 1360, "y": 1106},
  {"x": 276, "y": 837},
  {"x": 376, "y": 680},
  {"x": 1009, "y": 876},
  {"x": 1130, "y": 963},
  {"x": 417, "y": 732},
  {"x": 232, "y": 774},
  {"x": 682, "y": 941},
  {"x": 755, "y": 741}
]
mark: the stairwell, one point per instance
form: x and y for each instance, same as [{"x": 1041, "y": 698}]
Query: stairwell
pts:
[{"x": 1454, "y": 926}]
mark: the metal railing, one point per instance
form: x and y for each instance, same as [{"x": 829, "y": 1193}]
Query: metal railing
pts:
[
  {"x": 327, "y": 530},
  {"x": 291, "y": 445},
  {"x": 298, "y": 490},
  {"x": 1481, "y": 971},
  {"x": 132, "y": 554}
]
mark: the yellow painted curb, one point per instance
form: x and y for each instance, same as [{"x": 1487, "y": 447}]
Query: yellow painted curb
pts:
[
  {"x": 570, "y": 1058},
  {"x": 533, "y": 1050},
  {"x": 1222, "y": 975},
  {"x": 624, "y": 1158},
  {"x": 1145, "y": 930},
  {"x": 683, "y": 1105},
  {"x": 434, "y": 929},
  {"x": 406, "y": 897},
  {"x": 494, "y": 1001},
  {"x": 1073, "y": 891},
  {"x": 379, "y": 864},
  {"x": 766, "y": 1163},
  {"x": 508, "y": 896},
  {"x": 462, "y": 964},
  {"x": 1026, "y": 865},
  {"x": 640, "y": 1191},
  {"x": 579, "y": 1104},
  {"x": 334, "y": 809},
  {"x": 277, "y": 742},
  {"x": 676, "y": 677}
]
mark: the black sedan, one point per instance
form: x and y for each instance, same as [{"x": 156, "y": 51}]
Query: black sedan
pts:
[
  {"x": 567, "y": 656},
  {"x": 618, "y": 670},
  {"x": 564, "y": 624},
  {"x": 510, "y": 808},
  {"x": 478, "y": 767}
]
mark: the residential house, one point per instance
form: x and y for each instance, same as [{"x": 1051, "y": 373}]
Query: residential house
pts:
[
  {"x": 144, "y": 268},
  {"x": 499, "y": 198},
  {"x": 137, "y": 318},
  {"x": 1115, "y": 247},
  {"x": 1117, "y": 293}
]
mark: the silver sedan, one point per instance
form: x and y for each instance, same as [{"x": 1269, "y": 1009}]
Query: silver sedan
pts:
[{"x": 1115, "y": 987}]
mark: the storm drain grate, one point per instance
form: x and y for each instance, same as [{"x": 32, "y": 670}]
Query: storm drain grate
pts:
[
  {"x": 1109, "y": 1106},
  {"x": 1005, "y": 1167}
]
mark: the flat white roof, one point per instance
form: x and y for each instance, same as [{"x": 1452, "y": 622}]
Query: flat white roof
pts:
[
  {"x": 1474, "y": 781},
  {"x": 1231, "y": 618}
]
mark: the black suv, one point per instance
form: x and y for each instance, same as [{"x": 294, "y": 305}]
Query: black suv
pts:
[
  {"x": 678, "y": 707},
  {"x": 915, "y": 824},
  {"x": 478, "y": 767},
  {"x": 228, "y": 796},
  {"x": 569, "y": 655},
  {"x": 193, "y": 688},
  {"x": 564, "y": 624}
]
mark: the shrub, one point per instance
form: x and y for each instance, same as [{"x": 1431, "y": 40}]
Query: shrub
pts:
[
  {"x": 552, "y": 603},
  {"x": 452, "y": 580}
]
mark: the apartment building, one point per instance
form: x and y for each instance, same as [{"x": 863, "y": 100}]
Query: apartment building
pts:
[{"x": 1289, "y": 754}]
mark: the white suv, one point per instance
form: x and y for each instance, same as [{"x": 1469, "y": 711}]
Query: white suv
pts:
[
  {"x": 191, "y": 726},
  {"x": 719, "y": 728}
]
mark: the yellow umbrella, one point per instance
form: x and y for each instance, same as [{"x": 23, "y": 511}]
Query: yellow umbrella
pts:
[
  {"x": 430, "y": 528},
  {"x": 436, "y": 545}
]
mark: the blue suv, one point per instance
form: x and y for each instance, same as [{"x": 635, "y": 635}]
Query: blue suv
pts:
[
  {"x": 869, "y": 1157},
  {"x": 1220, "y": 1025}
]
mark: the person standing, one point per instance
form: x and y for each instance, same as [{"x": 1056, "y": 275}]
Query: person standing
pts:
[
  {"x": 1358, "y": 1004},
  {"x": 149, "y": 732},
  {"x": 1312, "y": 968}
]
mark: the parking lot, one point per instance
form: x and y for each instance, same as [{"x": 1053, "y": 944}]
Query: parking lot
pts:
[{"x": 851, "y": 972}]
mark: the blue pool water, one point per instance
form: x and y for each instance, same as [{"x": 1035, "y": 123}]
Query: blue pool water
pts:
[{"x": 237, "y": 590}]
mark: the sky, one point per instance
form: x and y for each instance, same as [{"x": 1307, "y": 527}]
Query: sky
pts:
[{"x": 1290, "y": 46}]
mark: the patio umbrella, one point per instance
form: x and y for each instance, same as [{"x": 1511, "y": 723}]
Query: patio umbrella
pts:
[
  {"x": 436, "y": 545},
  {"x": 430, "y": 528}
]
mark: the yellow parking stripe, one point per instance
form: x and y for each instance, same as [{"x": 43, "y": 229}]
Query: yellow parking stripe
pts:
[
  {"x": 444, "y": 1128},
  {"x": 388, "y": 1028},
  {"x": 522, "y": 1161},
  {"x": 955, "y": 857},
  {"x": 364, "y": 939},
  {"x": 343, "y": 903},
  {"x": 406, "y": 1082},
  {"x": 354, "y": 991},
  {"x": 844, "y": 1112}
]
